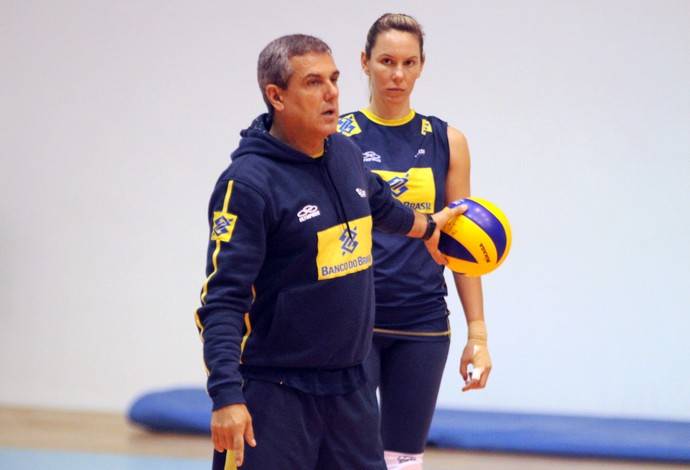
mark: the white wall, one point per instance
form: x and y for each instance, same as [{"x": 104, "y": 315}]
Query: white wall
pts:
[{"x": 117, "y": 117}]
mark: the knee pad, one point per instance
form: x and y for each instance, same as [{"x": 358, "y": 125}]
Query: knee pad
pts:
[{"x": 400, "y": 461}]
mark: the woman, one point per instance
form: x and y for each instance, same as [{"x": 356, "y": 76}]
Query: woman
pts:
[{"x": 427, "y": 164}]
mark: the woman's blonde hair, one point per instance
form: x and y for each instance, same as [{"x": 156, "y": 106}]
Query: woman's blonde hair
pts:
[{"x": 396, "y": 21}]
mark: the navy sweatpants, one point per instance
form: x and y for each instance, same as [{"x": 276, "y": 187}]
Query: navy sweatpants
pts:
[{"x": 300, "y": 431}]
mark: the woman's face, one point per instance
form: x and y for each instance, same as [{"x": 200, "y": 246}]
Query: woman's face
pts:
[{"x": 394, "y": 67}]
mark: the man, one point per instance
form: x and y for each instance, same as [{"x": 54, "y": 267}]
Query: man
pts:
[{"x": 287, "y": 307}]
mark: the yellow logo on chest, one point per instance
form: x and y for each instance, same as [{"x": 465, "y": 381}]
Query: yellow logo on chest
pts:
[
  {"x": 343, "y": 251},
  {"x": 414, "y": 188}
]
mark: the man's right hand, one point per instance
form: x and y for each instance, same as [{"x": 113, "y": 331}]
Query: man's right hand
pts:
[
  {"x": 230, "y": 427},
  {"x": 441, "y": 218}
]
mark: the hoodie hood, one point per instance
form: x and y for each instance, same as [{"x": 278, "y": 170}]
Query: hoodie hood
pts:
[{"x": 257, "y": 141}]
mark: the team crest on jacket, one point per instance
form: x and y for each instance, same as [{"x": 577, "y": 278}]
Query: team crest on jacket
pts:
[
  {"x": 344, "y": 249},
  {"x": 349, "y": 240},
  {"x": 347, "y": 125},
  {"x": 223, "y": 226}
]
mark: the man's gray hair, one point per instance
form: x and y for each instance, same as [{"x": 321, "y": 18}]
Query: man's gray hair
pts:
[{"x": 274, "y": 61}]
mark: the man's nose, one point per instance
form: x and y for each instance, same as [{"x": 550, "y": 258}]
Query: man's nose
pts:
[{"x": 332, "y": 91}]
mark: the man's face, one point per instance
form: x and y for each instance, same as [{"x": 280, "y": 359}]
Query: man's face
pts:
[{"x": 311, "y": 98}]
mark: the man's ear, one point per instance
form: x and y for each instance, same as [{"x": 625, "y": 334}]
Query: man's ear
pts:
[{"x": 275, "y": 96}]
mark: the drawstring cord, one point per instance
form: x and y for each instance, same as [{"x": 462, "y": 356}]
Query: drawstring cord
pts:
[{"x": 335, "y": 190}]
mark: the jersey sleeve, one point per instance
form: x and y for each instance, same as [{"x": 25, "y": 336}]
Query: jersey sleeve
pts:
[
  {"x": 236, "y": 251},
  {"x": 389, "y": 214}
]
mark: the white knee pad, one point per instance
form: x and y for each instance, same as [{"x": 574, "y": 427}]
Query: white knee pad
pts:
[{"x": 399, "y": 461}]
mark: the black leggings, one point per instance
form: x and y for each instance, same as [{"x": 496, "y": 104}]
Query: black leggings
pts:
[{"x": 408, "y": 375}]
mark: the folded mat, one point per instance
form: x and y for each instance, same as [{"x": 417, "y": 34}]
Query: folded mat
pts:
[{"x": 188, "y": 410}]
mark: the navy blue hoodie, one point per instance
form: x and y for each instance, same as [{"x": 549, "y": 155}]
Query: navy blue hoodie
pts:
[{"x": 289, "y": 280}]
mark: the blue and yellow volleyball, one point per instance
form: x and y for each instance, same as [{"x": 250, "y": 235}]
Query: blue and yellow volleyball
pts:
[{"x": 478, "y": 241}]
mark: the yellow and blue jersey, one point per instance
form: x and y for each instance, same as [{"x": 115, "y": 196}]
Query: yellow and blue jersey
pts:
[{"x": 412, "y": 155}]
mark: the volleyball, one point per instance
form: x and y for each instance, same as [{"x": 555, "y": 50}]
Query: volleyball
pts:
[{"x": 478, "y": 241}]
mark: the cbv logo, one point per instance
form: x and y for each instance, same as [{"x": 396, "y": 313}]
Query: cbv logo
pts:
[
  {"x": 222, "y": 224},
  {"x": 349, "y": 244},
  {"x": 346, "y": 124},
  {"x": 398, "y": 185}
]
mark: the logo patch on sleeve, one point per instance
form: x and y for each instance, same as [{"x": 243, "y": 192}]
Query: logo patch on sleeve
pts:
[{"x": 223, "y": 226}]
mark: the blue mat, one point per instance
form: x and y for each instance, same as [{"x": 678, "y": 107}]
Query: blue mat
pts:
[
  {"x": 181, "y": 410},
  {"x": 189, "y": 411},
  {"x": 631, "y": 439}
]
